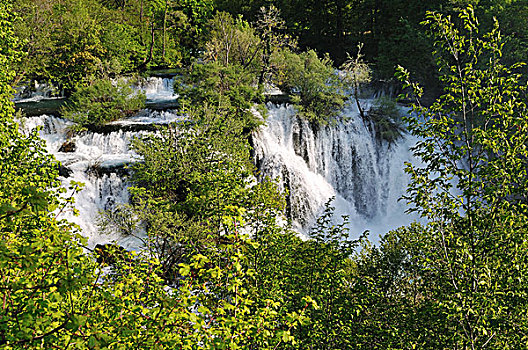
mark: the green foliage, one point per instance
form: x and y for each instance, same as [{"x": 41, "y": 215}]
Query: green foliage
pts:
[
  {"x": 231, "y": 88},
  {"x": 515, "y": 34},
  {"x": 34, "y": 32},
  {"x": 228, "y": 76},
  {"x": 132, "y": 307},
  {"x": 102, "y": 102},
  {"x": 390, "y": 30},
  {"x": 239, "y": 59},
  {"x": 41, "y": 263},
  {"x": 407, "y": 44},
  {"x": 313, "y": 83},
  {"x": 232, "y": 42},
  {"x": 355, "y": 72},
  {"x": 396, "y": 308},
  {"x": 198, "y": 13},
  {"x": 143, "y": 34},
  {"x": 271, "y": 28},
  {"x": 472, "y": 188},
  {"x": 386, "y": 120},
  {"x": 290, "y": 269},
  {"x": 190, "y": 163},
  {"x": 67, "y": 44},
  {"x": 193, "y": 175},
  {"x": 242, "y": 321},
  {"x": 55, "y": 296},
  {"x": 72, "y": 42},
  {"x": 78, "y": 49},
  {"x": 320, "y": 272}
]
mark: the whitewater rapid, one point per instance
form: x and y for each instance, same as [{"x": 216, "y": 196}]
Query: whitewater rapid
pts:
[{"x": 99, "y": 161}]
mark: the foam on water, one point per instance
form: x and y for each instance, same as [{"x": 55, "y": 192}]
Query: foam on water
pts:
[
  {"x": 346, "y": 161},
  {"x": 102, "y": 191}
]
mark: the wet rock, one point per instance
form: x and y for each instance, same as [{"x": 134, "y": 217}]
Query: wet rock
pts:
[
  {"x": 300, "y": 142},
  {"x": 107, "y": 168},
  {"x": 36, "y": 108},
  {"x": 68, "y": 147},
  {"x": 278, "y": 99},
  {"x": 64, "y": 172},
  {"x": 115, "y": 127}
]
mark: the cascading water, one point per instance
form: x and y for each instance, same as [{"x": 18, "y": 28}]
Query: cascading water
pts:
[
  {"x": 345, "y": 161},
  {"x": 37, "y": 92},
  {"x": 97, "y": 159},
  {"x": 158, "y": 89}
]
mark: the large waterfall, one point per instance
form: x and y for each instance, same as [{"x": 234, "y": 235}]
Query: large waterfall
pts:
[{"x": 342, "y": 160}]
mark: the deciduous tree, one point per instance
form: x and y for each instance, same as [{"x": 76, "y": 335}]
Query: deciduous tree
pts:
[{"x": 472, "y": 188}]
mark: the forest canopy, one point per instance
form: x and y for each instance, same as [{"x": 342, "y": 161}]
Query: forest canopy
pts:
[{"x": 72, "y": 42}]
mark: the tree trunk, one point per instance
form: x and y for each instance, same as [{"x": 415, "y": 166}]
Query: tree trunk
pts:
[
  {"x": 141, "y": 26},
  {"x": 151, "y": 54},
  {"x": 165, "y": 29},
  {"x": 265, "y": 62}
]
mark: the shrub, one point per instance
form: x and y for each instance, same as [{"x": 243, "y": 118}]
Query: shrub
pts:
[
  {"x": 386, "y": 118},
  {"x": 232, "y": 88},
  {"x": 102, "y": 102},
  {"x": 313, "y": 83}
]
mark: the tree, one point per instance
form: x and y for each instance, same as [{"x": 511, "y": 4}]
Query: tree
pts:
[
  {"x": 78, "y": 48},
  {"x": 102, "y": 102},
  {"x": 232, "y": 42},
  {"x": 193, "y": 176},
  {"x": 35, "y": 30},
  {"x": 357, "y": 72},
  {"x": 42, "y": 264},
  {"x": 472, "y": 189},
  {"x": 54, "y": 295},
  {"x": 313, "y": 83},
  {"x": 270, "y": 26}
]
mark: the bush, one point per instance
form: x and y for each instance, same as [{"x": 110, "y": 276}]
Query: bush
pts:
[
  {"x": 386, "y": 119},
  {"x": 228, "y": 74},
  {"x": 232, "y": 88},
  {"x": 233, "y": 42},
  {"x": 101, "y": 103},
  {"x": 313, "y": 83}
]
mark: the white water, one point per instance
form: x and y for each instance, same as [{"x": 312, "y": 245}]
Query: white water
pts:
[
  {"x": 159, "y": 89},
  {"x": 344, "y": 161},
  {"x": 38, "y": 92},
  {"x": 99, "y": 192},
  {"x": 155, "y": 89},
  {"x": 96, "y": 151}
]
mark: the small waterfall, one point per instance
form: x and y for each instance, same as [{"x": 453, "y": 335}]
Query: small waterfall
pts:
[
  {"x": 159, "y": 89},
  {"x": 344, "y": 161},
  {"x": 98, "y": 161},
  {"x": 39, "y": 91}
]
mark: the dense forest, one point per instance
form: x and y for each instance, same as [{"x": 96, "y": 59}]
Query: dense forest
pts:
[{"x": 221, "y": 267}]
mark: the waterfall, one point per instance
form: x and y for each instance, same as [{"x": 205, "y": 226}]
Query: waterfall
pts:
[
  {"x": 158, "y": 89},
  {"x": 313, "y": 163},
  {"x": 39, "y": 91},
  {"x": 98, "y": 160},
  {"x": 342, "y": 160}
]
